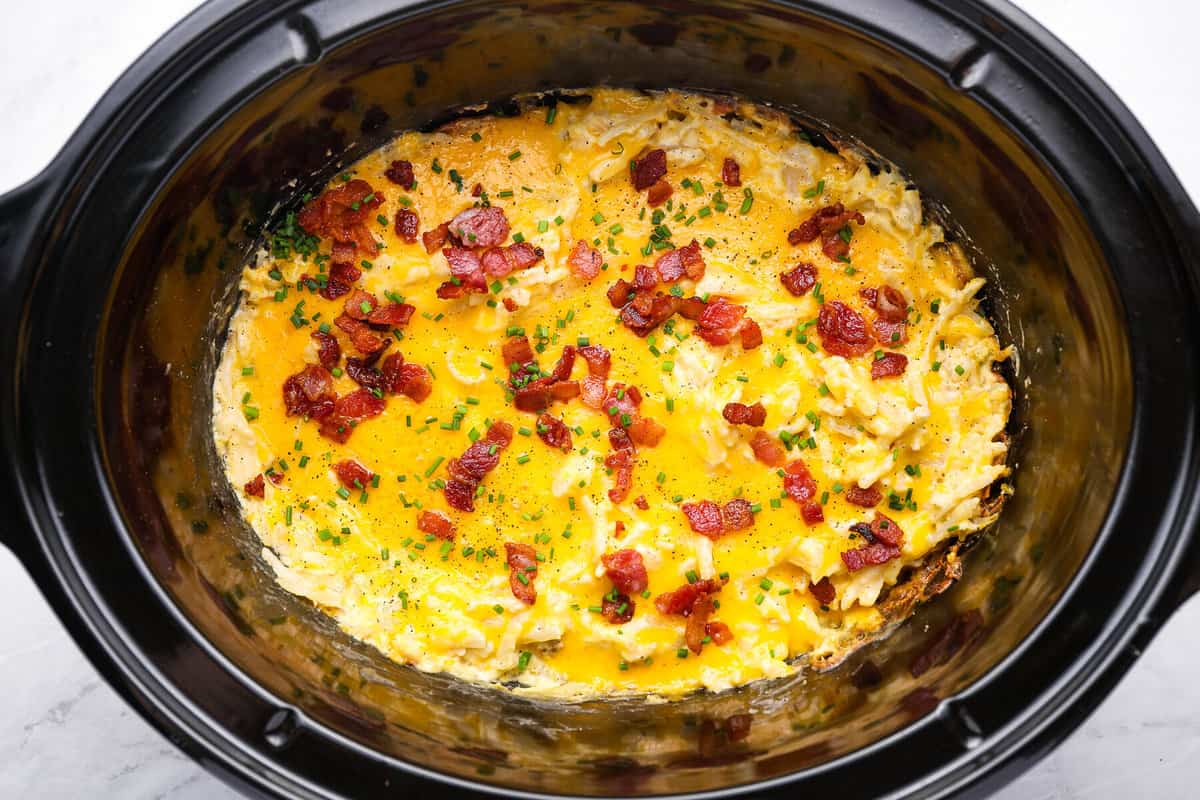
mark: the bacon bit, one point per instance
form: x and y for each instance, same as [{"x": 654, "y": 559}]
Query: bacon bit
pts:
[
  {"x": 691, "y": 308},
  {"x": 341, "y": 214},
  {"x": 682, "y": 261},
  {"x": 799, "y": 279},
  {"x": 693, "y": 260},
  {"x": 408, "y": 379},
  {"x": 892, "y": 365},
  {"x": 647, "y": 310},
  {"x": 359, "y": 304},
  {"x": 621, "y": 463},
  {"x": 517, "y": 350},
  {"x": 767, "y": 450},
  {"x": 554, "y": 432},
  {"x": 679, "y": 603},
  {"x": 884, "y": 538},
  {"x": 592, "y": 391},
  {"x": 720, "y": 634},
  {"x": 626, "y": 570},
  {"x": 869, "y": 555},
  {"x": 393, "y": 315},
  {"x": 480, "y": 227},
  {"x": 362, "y": 371},
  {"x": 332, "y": 289},
  {"x": 460, "y": 495},
  {"x": 741, "y": 414},
  {"x": 306, "y": 389},
  {"x": 534, "y": 397},
  {"x": 647, "y": 170},
  {"x": 697, "y": 623},
  {"x": 641, "y": 502},
  {"x": 584, "y": 261},
  {"x": 659, "y": 193},
  {"x": 624, "y": 399},
  {"x": 619, "y": 529},
  {"x": 255, "y": 487},
  {"x": 564, "y": 365},
  {"x": 961, "y": 632},
  {"x": 434, "y": 239},
  {"x": 711, "y": 520},
  {"x": 342, "y": 254},
  {"x": 275, "y": 477},
  {"x": 329, "y": 352},
  {"x": 469, "y": 269},
  {"x": 799, "y": 484},
  {"x": 437, "y": 523},
  {"x": 564, "y": 391},
  {"x": 731, "y": 173},
  {"x": 737, "y": 515},
  {"x": 890, "y": 334},
  {"x": 646, "y": 432},
  {"x": 510, "y": 304},
  {"x": 361, "y": 336},
  {"x": 751, "y": 334},
  {"x": 500, "y": 261},
  {"x": 617, "y": 611},
  {"x": 620, "y": 293},
  {"x": 645, "y": 277},
  {"x": 867, "y": 498},
  {"x": 842, "y": 330},
  {"x": 522, "y": 569},
  {"x": 886, "y": 530},
  {"x": 476, "y": 462},
  {"x": 828, "y": 223},
  {"x": 466, "y": 271},
  {"x": 720, "y": 321},
  {"x": 823, "y": 590},
  {"x": 812, "y": 513},
  {"x": 869, "y": 295},
  {"x": 411, "y": 380},
  {"x": 704, "y": 517},
  {"x": 619, "y": 440},
  {"x": 348, "y": 411},
  {"x": 477, "y": 190},
  {"x": 890, "y": 304},
  {"x": 408, "y": 224},
  {"x": 341, "y": 275},
  {"x": 352, "y": 474},
  {"x": 401, "y": 174}
]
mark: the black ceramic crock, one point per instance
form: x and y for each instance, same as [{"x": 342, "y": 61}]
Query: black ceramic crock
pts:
[{"x": 117, "y": 265}]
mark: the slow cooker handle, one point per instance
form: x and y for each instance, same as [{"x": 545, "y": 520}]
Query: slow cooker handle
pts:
[{"x": 21, "y": 213}]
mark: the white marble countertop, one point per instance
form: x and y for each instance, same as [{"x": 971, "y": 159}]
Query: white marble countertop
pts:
[{"x": 64, "y": 733}]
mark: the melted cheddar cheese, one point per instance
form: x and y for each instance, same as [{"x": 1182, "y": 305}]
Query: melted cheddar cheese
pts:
[{"x": 929, "y": 439}]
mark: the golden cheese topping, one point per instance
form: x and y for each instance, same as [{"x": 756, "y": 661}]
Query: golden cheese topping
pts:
[{"x": 927, "y": 441}]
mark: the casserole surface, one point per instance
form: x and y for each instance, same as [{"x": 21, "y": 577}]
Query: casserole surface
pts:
[{"x": 787, "y": 589}]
